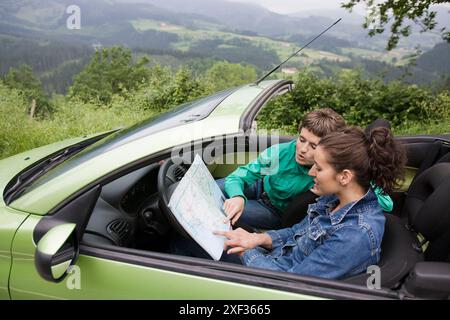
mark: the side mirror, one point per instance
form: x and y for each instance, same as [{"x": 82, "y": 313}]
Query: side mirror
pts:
[{"x": 56, "y": 252}]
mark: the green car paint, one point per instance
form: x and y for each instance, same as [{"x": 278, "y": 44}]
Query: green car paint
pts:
[
  {"x": 11, "y": 166},
  {"x": 92, "y": 277},
  {"x": 57, "y": 187},
  {"x": 100, "y": 277},
  {"x": 230, "y": 110},
  {"x": 107, "y": 279},
  {"x": 10, "y": 221}
]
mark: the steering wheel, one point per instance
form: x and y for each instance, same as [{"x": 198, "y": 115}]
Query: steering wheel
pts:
[{"x": 169, "y": 175}]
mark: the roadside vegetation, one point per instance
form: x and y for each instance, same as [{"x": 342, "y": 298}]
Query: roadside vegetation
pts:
[{"x": 116, "y": 89}]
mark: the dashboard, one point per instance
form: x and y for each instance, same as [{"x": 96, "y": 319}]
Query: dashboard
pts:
[
  {"x": 122, "y": 210},
  {"x": 134, "y": 198}
]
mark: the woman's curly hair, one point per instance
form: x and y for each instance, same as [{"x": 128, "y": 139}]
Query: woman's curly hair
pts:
[{"x": 374, "y": 156}]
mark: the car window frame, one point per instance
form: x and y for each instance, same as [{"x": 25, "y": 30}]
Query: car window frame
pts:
[{"x": 317, "y": 287}]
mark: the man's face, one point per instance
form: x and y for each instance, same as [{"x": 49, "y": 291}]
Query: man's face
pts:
[{"x": 306, "y": 146}]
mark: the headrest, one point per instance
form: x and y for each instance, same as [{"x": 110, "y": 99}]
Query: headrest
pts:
[
  {"x": 428, "y": 201},
  {"x": 444, "y": 158}
]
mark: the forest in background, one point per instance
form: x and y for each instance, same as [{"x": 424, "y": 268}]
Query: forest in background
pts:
[
  {"x": 174, "y": 34},
  {"x": 116, "y": 90},
  {"x": 129, "y": 62}
]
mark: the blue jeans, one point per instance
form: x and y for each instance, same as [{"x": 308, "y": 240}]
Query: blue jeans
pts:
[{"x": 256, "y": 213}]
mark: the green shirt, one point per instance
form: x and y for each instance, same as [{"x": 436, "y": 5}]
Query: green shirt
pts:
[{"x": 283, "y": 177}]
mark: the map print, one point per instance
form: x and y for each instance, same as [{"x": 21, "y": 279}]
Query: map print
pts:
[{"x": 197, "y": 204}]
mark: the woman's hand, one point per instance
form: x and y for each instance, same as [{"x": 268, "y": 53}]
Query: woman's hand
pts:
[
  {"x": 233, "y": 208},
  {"x": 241, "y": 240}
]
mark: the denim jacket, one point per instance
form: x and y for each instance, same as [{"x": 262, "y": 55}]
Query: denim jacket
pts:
[{"x": 333, "y": 246}]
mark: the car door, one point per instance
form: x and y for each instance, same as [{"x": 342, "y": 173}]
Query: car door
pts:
[
  {"x": 10, "y": 220},
  {"x": 120, "y": 273},
  {"x": 101, "y": 271}
]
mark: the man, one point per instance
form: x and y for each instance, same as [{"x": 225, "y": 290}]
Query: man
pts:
[{"x": 260, "y": 191}]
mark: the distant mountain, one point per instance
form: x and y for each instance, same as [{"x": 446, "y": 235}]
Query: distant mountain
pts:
[
  {"x": 35, "y": 32},
  {"x": 233, "y": 15},
  {"x": 255, "y": 18},
  {"x": 436, "y": 60},
  {"x": 110, "y": 22},
  {"x": 102, "y": 21},
  {"x": 50, "y": 14},
  {"x": 347, "y": 17}
]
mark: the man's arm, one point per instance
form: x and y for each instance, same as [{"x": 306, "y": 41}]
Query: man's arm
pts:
[
  {"x": 243, "y": 177},
  {"x": 247, "y": 175}
]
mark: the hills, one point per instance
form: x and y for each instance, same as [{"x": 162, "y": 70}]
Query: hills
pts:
[{"x": 176, "y": 32}]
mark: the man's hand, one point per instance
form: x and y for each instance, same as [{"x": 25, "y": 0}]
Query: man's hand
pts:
[
  {"x": 233, "y": 208},
  {"x": 241, "y": 240}
]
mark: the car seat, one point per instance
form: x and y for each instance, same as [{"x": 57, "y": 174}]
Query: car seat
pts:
[{"x": 425, "y": 236}]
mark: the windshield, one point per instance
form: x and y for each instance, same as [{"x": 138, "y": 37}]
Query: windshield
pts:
[{"x": 188, "y": 112}]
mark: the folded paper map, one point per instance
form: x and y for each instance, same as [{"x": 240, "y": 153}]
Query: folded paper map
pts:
[{"x": 197, "y": 204}]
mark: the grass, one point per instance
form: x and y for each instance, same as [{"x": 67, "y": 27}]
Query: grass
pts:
[
  {"x": 364, "y": 53},
  {"x": 210, "y": 31},
  {"x": 74, "y": 119},
  {"x": 39, "y": 15},
  {"x": 440, "y": 127},
  {"x": 397, "y": 56},
  {"x": 71, "y": 119}
]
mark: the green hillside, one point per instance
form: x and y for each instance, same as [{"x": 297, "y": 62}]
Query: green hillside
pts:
[{"x": 176, "y": 33}]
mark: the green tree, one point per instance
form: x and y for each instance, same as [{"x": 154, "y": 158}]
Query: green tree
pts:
[
  {"x": 30, "y": 87},
  {"x": 359, "y": 100},
  {"x": 111, "y": 71},
  {"x": 186, "y": 87},
  {"x": 381, "y": 13},
  {"x": 223, "y": 75},
  {"x": 165, "y": 89}
]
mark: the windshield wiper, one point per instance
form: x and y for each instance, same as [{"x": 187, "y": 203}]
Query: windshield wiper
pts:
[{"x": 26, "y": 178}]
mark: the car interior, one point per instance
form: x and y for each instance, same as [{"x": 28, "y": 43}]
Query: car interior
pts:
[{"x": 416, "y": 245}]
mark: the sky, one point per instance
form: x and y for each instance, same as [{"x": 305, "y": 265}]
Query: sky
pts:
[{"x": 293, "y": 6}]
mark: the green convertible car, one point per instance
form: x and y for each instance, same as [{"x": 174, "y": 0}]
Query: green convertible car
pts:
[{"x": 88, "y": 218}]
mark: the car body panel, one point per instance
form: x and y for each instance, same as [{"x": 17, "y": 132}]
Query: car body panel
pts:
[
  {"x": 121, "y": 272},
  {"x": 224, "y": 120},
  {"x": 10, "y": 221},
  {"x": 232, "y": 108},
  {"x": 107, "y": 279},
  {"x": 11, "y": 166}
]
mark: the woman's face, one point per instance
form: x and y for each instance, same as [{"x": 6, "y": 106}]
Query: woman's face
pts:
[{"x": 325, "y": 176}]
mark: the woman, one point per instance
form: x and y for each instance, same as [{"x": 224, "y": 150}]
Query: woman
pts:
[
  {"x": 260, "y": 191},
  {"x": 341, "y": 236}
]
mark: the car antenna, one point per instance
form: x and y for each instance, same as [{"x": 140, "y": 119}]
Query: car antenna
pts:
[{"x": 295, "y": 53}]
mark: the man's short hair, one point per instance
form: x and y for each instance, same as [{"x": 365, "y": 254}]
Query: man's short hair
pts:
[{"x": 322, "y": 122}]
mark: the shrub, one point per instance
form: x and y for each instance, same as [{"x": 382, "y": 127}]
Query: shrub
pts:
[{"x": 359, "y": 101}]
